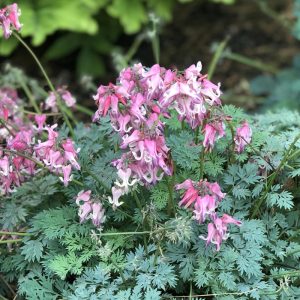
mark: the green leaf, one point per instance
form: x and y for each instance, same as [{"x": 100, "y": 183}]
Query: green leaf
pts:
[
  {"x": 7, "y": 46},
  {"x": 32, "y": 250},
  {"x": 89, "y": 63},
  {"x": 162, "y": 8},
  {"x": 281, "y": 200},
  {"x": 42, "y": 18},
  {"x": 131, "y": 14},
  {"x": 62, "y": 265},
  {"x": 63, "y": 46}
]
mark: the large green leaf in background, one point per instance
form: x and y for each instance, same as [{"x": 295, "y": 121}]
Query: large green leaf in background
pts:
[
  {"x": 130, "y": 13},
  {"x": 42, "y": 18}
]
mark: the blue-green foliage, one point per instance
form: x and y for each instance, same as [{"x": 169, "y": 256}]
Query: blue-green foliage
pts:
[
  {"x": 281, "y": 90},
  {"x": 62, "y": 258}
]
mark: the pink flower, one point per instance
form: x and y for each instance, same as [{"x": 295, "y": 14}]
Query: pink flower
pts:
[
  {"x": 116, "y": 194},
  {"x": 212, "y": 132},
  {"x": 211, "y": 92},
  {"x": 51, "y": 102},
  {"x": 9, "y": 17},
  {"x": 40, "y": 120},
  {"x": 125, "y": 177},
  {"x": 85, "y": 207},
  {"x": 204, "y": 206},
  {"x": 193, "y": 71},
  {"x": 215, "y": 190},
  {"x": 70, "y": 153},
  {"x": 190, "y": 196},
  {"x": 121, "y": 124},
  {"x": 67, "y": 175},
  {"x": 106, "y": 98},
  {"x": 83, "y": 196},
  {"x": 67, "y": 97},
  {"x": 98, "y": 216},
  {"x": 4, "y": 166},
  {"x": 217, "y": 231},
  {"x": 242, "y": 137}
]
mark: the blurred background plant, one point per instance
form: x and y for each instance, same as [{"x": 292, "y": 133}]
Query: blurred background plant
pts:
[{"x": 93, "y": 39}]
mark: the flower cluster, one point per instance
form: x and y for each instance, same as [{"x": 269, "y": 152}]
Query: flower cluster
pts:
[
  {"x": 138, "y": 102},
  {"x": 89, "y": 209},
  {"x": 9, "y": 18},
  {"x": 203, "y": 198},
  {"x": 22, "y": 153},
  {"x": 64, "y": 94},
  {"x": 135, "y": 113}
]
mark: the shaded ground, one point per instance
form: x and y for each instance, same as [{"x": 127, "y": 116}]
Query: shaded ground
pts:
[{"x": 252, "y": 33}]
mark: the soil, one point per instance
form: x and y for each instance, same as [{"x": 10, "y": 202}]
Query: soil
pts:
[{"x": 198, "y": 25}]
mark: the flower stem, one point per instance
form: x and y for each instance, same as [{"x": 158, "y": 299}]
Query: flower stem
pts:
[
  {"x": 3, "y": 123},
  {"x": 216, "y": 57},
  {"x": 29, "y": 95},
  {"x": 62, "y": 109},
  {"x": 171, "y": 204},
  {"x": 10, "y": 241},
  {"x": 84, "y": 110},
  {"x": 201, "y": 171},
  {"x": 15, "y": 233}
]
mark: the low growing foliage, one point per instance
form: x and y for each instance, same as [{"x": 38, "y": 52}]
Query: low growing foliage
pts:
[{"x": 168, "y": 194}]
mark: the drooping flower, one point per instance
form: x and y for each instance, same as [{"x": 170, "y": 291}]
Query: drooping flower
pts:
[
  {"x": 67, "y": 177},
  {"x": 217, "y": 231},
  {"x": 116, "y": 194},
  {"x": 71, "y": 153},
  {"x": 89, "y": 209},
  {"x": 213, "y": 131},
  {"x": 9, "y": 19},
  {"x": 67, "y": 97},
  {"x": 242, "y": 137},
  {"x": 40, "y": 120},
  {"x": 98, "y": 212},
  {"x": 204, "y": 206},
  {"x": 190, "y": 195},
  {"x": 64, "y": 94}
]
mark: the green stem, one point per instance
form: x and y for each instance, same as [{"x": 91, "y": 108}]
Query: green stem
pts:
[
  {"x": 216, "y": 57},
  {"x": 201, "y": 170},
  {"x": 191, "y": 290},
  {"x": 84, "y": 110},
  {"x": 289, "y": 274},
  {"x": 48, "y": 81},
  {"x": 36, "y": 60},
  {"x": 10, "y": 241},
  {"x": 137, "y": 200},
  {"x": 14, "y": 233},
  {"x": 196, "y": 137},
  {"x": 133, "y": 232},
  {"x": 273, "y": 177},
  {"x": 258, "y": 154},
  {"x": 25, "y": 156},
  {"x": 35, "y": 113},
  {"x": 134, "y": 47},
  {"x": 3, "y": 123},
  {"x": 29, "y": 96},
  {"x": 254, "y": 63},
  {"x": 171, "y": 204},
  {"x": 155, "y": 41},
  {"x": 138, "y": 203},
  {"x": 8, "y": 286}
]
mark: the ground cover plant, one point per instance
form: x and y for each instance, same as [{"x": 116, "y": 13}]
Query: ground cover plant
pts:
[{"x": 165, "y": 194}]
